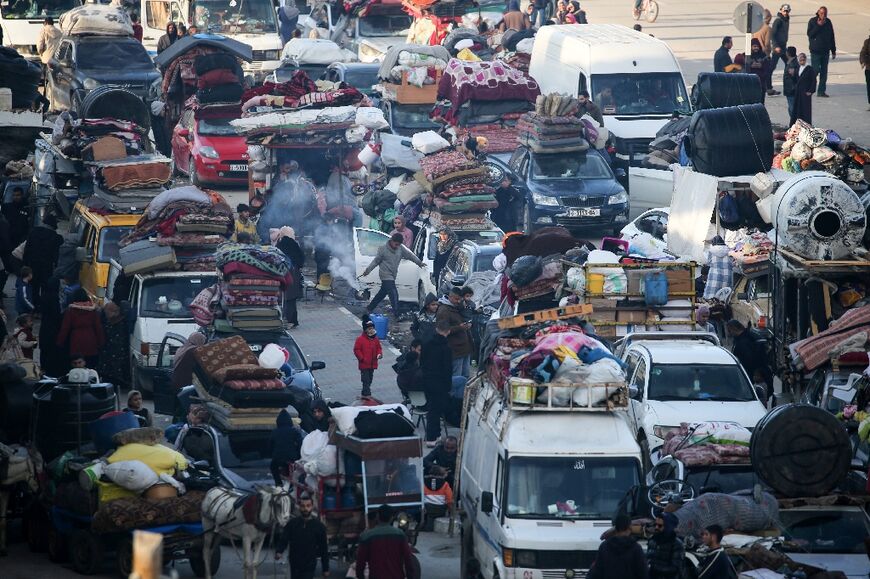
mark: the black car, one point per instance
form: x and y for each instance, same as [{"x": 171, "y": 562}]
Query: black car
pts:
[
  {"x": 82, "y": 63},
  {"x": 406, "y": 120},
  {"x": 465, "y": 259},
  {"x": 573, "y": 190},
  {"x": 360, "y": 75}
]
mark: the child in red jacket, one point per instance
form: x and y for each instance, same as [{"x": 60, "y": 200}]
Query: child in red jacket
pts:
[{"x": 367, "y": 350}]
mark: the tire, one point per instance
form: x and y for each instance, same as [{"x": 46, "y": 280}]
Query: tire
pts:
[
  {"x": 197, "y": 562},
  {"x": 85, "y": 552},
  {"x": 636, "y": 13},
  {"x": 652, "y": 11},
  {"x": 124, "y": 557},
  {"x": 191, "y": 172},
  {"x": 56, "y": 546}
]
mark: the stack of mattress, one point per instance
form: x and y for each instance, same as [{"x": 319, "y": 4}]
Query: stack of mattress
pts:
[
  {"x": 253, "y": 280},
  {"x": 458, "y": 185},
  {"x": 218, "y": 78},
  {"x": 555, "y": 126}
]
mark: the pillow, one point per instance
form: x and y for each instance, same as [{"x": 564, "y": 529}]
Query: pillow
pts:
[{"x": 222, "y": 353}]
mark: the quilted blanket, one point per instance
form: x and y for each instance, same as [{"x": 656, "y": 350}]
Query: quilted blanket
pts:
[
  {"x": 190, "y": 239},
  {"x": 244, "y": 372},
  {"x": 231, "y": 299},
  {"x": 135, "y": 175},
  {"x": 445, "y": 162},
  {"x": 236, "y": 268},
  {"x": 264, "y": 384},
  {"x": 222, "y": 353},
  {"x": 446, "y": 206},
  {"x": 812, "y": 352},
  {"x": 243, "y": 282},
  {"x": 265, "y": 259},
  {"x": 486, "y": 81},
  {"x": 126, "y": 514}
]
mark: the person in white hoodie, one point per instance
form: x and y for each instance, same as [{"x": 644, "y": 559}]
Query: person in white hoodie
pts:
[
  {"x": 719, "y": 261},
  {"x": 48, "y": 39}
]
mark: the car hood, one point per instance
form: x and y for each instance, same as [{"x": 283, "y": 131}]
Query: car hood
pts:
[
  {"x": 135, "y": 78},
  {"x": 228, "y": 147},
  {"x": 574, "y": 187},
  {"x": 852, "y": 565},
  {"x": 746, "y": 414}
]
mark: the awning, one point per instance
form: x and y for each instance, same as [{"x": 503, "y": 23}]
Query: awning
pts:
[{"x": 179, "y": 47}]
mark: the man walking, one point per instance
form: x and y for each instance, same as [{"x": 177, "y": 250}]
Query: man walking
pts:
[
  {"x": 17, "y": 214},
  {"x": 384, "y": 550},
  {"x": 823, "y": 47},
  {"x": 436, "y": 368},
  {"x": 387, "y": 260},
  {"x": 47, "y": 41},
  {"x": 664, "y": 550},
  {"x": 779, "y": 36},
  {"x": 619, "y": 555},
  {"x": 716, "y": 565},
  {"x": 40, "y": 254},
  {"x": 450, "y": 311},
  {"x": 306, "y": 537},
  {"x": 864, "y": 60},
  {"x": 721, "y": 59}
]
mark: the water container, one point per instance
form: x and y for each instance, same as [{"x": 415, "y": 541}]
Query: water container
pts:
[
  {"x": 330, "y": 502},
  {"x": 655, "y": 288},
  {"x": 56, "y": 421},
  {"x": 596, "y": 283},
  {"x": 5, "y": 99},
  {"x": 381, "y": 325},
  {"x": 348, "y": 498},
  {"x": 107, "y": 426}
]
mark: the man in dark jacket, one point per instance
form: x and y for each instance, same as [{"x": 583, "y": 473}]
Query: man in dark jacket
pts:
[
  {"x": 450, "y": 311},
  {"x": 716, "y": 565},
  {"x": 423, "y": 324},
  {"x": 17, "y": 214},
  {"x": 40, "y": 254},
  {"x": 587, "y": 107},
  {"x": 820, "y": 32},
  {"x": 306, "y": 537},
  {"x": 721, "y": 59},
  {"x": 436, "y": 369},
  {"x": 443, "y": 456},
  {"x": 317, "y": 417},
  {"x": 619, "y": 555},
  {"x": 750, "y": 352},
  {"x": 507, "y": 196},
  {"x": 384, "y": 549},
  {"x": 779, "y": 36},
  {"x": 790, "y": 78},
  {"x": 6, "y": 248},
  {"x": 285, "y": 445},
  {"x": 664, "y": 550},
  {"x": 407, "y": 367}
]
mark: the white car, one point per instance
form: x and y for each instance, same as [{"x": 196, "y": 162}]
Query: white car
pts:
[
  {"x": 649, "y": 231},
  {"x": 412, "y": 282},
  {"x": 685, "y": 380},
  {"x": 828, "y": 537}
]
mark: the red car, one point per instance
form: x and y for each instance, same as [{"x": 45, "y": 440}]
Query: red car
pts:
[{"x": 209, "y": 150}]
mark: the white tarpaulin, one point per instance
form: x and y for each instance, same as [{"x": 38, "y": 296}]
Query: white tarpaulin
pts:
[{"x": 692, "y": 205}]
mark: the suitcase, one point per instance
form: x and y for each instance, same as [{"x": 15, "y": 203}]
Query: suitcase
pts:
[
  {"x": 144, "y": 256},
  {"x": 371, "y": 424}
]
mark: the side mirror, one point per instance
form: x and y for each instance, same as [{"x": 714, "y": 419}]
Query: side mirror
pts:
[
  {"x": 202, "y": 465},
  {"x": 184, "y": 133},
  {"x": 761, "y": 392},
  {"x": 486, "y": 502},
  {"x": 620, "y": 173},
  {"x": 634, "y": 392},
  {"x": 82, "y": 255},
  {"x": 458, "y": 280},
  {"x": 317, "y": 365},
  {"x": 743, "y": 296}
]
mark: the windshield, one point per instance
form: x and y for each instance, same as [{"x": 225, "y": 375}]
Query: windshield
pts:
[
  {"x": 569, "y": 166},
  {"x": 216, "y": 127},
  {"x": 286, "y": 71},
  {"x": 638, "y": 94},
  {"x": 569, "y": 487},
  {"x": 725, "y": 383},
  {"x": 247, "y": 454},
  {"x": 384, "y": 25},
  {"x": 413, "y": 117},
  {"x": 717, "y": 479},
  {"x": 361, "y": 79},
  {"x": 169, "y": 297},
  {"x": 480, "y": 237},
  {"x": 115, "y": 54},
  {"x": 834, "y": 531},
  {"x": 29, "y": 9},
  {"x": 109, "y": 238},
  {"x": 233, "y": 16},
  {"x": 484, "y": 262}
]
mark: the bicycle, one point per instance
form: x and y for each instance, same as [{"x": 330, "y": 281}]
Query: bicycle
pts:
[{"x": 649, "y": 10}]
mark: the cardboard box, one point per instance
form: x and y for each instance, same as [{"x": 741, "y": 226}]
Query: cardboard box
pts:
[
  {"x": 603, "y": 310},
  {"x": 107, "y": 149},
  {"x": 679, "y": 281},
  {"x": 631, "y": 316}
]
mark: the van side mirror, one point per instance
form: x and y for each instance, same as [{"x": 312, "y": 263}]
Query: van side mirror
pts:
[
  {"x": 634, "y": 392},
  {"x": 317, "y": 365},
  {"x": 82, "y": 255},
  {"x": 458, "y": 280},
  {"x": 620, "y": 173},
  {"x": 486, "y": 502}
]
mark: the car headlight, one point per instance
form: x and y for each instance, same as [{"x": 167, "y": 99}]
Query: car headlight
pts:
[
  {"x": 209, "y": 153},
  {"x": 267, "y": 54},
  {"x": 90, "y": 84},
  {"x": 539, "y": 199},
  {"x": 662, "y": 431},
  {"x": 621, "y": 197}
]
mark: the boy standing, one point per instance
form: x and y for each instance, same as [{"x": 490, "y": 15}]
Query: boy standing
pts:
[
  {"x": 24, "y": 291},
  {"x": 23, "y": 334},
  {"x": 368, "y": 351}
]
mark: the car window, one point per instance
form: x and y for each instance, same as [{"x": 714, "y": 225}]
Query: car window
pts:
[
  {"x": 90, "y": 238},
  {"x": 169, "y": 297},
  {"x": 825, "y": 531},
  {"x": 514, "y": 163},
  {"x": 370, "y": 241},
  {"x": 167, "y": 352},
  {"x": 581, "y": 83},
  {"x": 463, "y": 262},
  {"x": 187, "y": 119},
  {"x": 654, "y": 225},
  {"x": 112, "y": 54},
  {"x": 452, "y": 262},
  {"x": 639, "y": 377},
  {"x": 157, "y": 13},
  {"x": 484, "y": 262},
  {"x": 682, "y": 382},
  {"x": 631, "y": 362},
  {"x": 109, "y": 238},
  {"x": 63, "y": 51},
  {"x": 759, "y": 287},
  {"x": 569, "y": 166},
  {"x": 216, "y": 127},
  {"x": 814, "y": 388}
]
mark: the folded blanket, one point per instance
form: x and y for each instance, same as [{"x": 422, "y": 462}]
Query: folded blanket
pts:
[
  {"x": 447, "y": 207},
  {"x": 444, "y": 163},
  {"x": 244, "y": 372},
  {"x": 253, "y": 281},
  {"x": 263, "y": 384},
  {"x": 190, "y": 239},
  {"x": 239, "y": 268},
  {"x": 230, "y": 300}
]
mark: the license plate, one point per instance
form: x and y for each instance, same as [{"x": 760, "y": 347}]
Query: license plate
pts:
[
  {"x": 584, "y": 212},
  {"x": 243, "y": 168}
]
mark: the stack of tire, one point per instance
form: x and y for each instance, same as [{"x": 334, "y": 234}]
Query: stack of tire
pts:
[{"x": 21, "y": 76}]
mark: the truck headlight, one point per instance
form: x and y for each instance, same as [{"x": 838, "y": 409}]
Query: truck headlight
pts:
[
  {"x": 267, "y": 54},
  {"x": 525, "y": 558},
  {"x": 209, "y": 153},
  {"x": 619, "y": 198},
  {"x": 539, "y": 199},
  {"x": 90, "y": 84}
]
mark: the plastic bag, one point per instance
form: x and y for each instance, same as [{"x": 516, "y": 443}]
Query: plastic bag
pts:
[
  {"x": 428, "y": 142},
  {"x": 526, "y": 269},
  {"x": 801, "y": 151},
  {"x": 273, "y": 356},
  {"x": 371, "y": 118},
  {"x": 133, "y": 475}
]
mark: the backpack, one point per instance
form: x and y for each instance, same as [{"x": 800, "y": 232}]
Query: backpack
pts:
[{"x": 729, "y": 212}]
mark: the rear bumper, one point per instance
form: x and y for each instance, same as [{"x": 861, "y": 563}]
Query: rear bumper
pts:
[{"x": 217, "y": 171}]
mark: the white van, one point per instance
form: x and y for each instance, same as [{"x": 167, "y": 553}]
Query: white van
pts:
[
  {"x": 253, "y": 22},
  {"x": 539, "y": 486},
  {"x": 20, "y": 22},
  {"x": 159, "y": 302},
  {"x": 633, "y": 77}
]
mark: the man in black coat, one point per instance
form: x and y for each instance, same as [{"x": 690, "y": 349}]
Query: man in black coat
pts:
[
  {"x": 721, "y": 59},
  {"x": 40, "y": 254},
  {"x": 779, "y": 36},
  {"x": 436, "y": 366},
  {"x": 17, "y": 213},
  {"x": 306, "y": 537},
  {"x": 505, "y": 215},
  {"x": 285, "y": 446},
  {"x": 6, "y": 248},
  {"x": 620, "y": 555},
  {"x": 823, "y": 47},
  {"x": 317, "y": 417},
  {"x": 716, "y": 565},
  {"x": 443, "y": 456},
  {"x": 750, "y": 352}
]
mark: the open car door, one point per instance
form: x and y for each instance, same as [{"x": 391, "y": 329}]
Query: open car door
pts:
[
  {"x": 366, "y": 243},
  {"x": 165, "y": 396}
]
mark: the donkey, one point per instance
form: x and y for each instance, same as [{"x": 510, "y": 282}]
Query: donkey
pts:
[
  {"x": 237, "y": 514},
  {"x": 17, "y": 465}
]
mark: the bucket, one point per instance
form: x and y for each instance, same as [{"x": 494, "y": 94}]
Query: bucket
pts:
[
  {"x": 655, "y": 288},
  {"x": 369, "y": 154},
  {"x": 381, "y": 325},
  {"x": 596, "y": 283},
  {"x": 5, "y": 99},
  {"x": 329, "y": 501},
  {"x": 522, "y": 391},
  {"x": 104, "y": 428}
]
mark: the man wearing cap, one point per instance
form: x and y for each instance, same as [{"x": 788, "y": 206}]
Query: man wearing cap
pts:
[
  {"x": 387, "y": 260},
  {"x": 779, "y": 36}
]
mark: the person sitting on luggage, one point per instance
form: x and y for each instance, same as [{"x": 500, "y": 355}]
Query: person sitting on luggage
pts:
[
  {"x": 317, "y": 417},
  {"x": 407, "y": 368},
  {"x": 285, "y": 446},
  {"x": 443, "y": 456}
]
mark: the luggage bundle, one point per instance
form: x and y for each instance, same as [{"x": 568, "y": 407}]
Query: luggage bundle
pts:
[
  {"x": 253, "y": 280},
  {"x": 807, "y": 148},
  {"x": 709, "y": 443},
  {"x": 218, "y": 78},
  {"x": 19, "y": 75},
  {"x": 96, "y": 19},
  {"x": 456, "y": 182},
  {"x": 554, "y": 126}
]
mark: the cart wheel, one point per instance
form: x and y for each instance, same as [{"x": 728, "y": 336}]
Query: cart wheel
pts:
[
  {"x": 85, "y": 552},
  {"x": 56, "y": 545},
  {"x": 197, "y": 562},
  {"x": 652, "y": 11},
  {"x": 36, "y": 528},
  {"x": 124, "y": 557}
]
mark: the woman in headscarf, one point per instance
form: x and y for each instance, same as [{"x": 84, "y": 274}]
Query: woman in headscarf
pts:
[
  {"x": 82, "y": 330},
  {"x": 290, "y": 248},
  {"x": 182, "y": 364},
  {"x": 114, "y": 354},
  {"x": 167, "y": 39},
  {"x": 719, "y": 260},
  {"x": 702, "y": 319},
  {"x": 446, "y": 241}
]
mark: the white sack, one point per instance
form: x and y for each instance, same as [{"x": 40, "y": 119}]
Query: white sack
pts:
[{"x": 133, "y": 475}]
